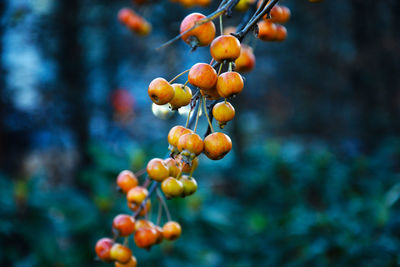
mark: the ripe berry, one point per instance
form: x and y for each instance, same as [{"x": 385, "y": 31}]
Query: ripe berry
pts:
[
  {"x": 143, "y": 224},
  {"x": 203, "y": 75},
  {"x": 157, "y": 170},
  {"x": 173, "y": 136},
  {"x": 189, "y": 185},
  {"x": 160, "y": 91},
  {"x": 131, "y": 263},
  {"x": 190, "y": 145},
  {"x": 211, "y": 94},
  {"x": 136, "y": 195},
  {"x": 246, "y": 61},
  {"x": 266, "y": 30},
  {"x": 217, "y": 145},
  {"x": 145, "y": 237},
  {"x": 187, "y": 168},
  {"x": 200, "y": 36},
  {"x": 182, "y": 96},
  {"x": 144, "y": 210},
  {"x": 124, "y": 224},
  {"x": 120, "y": 253},
  {"x": 173, "y": 167},
  {"x": 229, "y": 84},
  {"x": 160, "y": 236},
  {"x": 285, "y": 15},
  {"x": 126, "y": 180},
  {"x": 276, "y": 13},
  {"x": 281, "y": 33},
  {"x": 172, "y": 187},
  {"x": 225, "y": 47},
  {"x": 223, "y": 112},
  {"x": 124, "y": 14},
  {"x": 171, "y": 230},
  {"x": 103, "y": 248}
]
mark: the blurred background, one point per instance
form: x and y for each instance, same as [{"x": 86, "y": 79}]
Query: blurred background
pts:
[{"x": 314, "y": 176}]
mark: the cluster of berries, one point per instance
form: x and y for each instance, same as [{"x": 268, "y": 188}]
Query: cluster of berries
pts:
[
  {"x": 270, "y": 28},
  {"x": 134, "y": 22}
]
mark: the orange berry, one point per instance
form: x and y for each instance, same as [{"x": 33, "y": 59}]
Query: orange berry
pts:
[
  {"x": 131, "y": 263},
  {"x": 200, "y": 36},
  {"x": 144, "y": 28},
  {"x": 285, "y": 16},
  {"x": 173, "y": 167},
  {"x": 160, "y": 236},
  {"x": 188, "y": 3},
  {"x": 120, "y": 253},
  {"x": 126, "y": 180},
  {"x": 217, "y": 145},
  {"x": 103, "y": 248},
  {"x": 276, "y": 13},
  {"x": 157, "y": 170},
  {"x": 182, "y": 96},
  {"x": 281, "y": 33},
  {"x": 144, "y": 210},
  {"x": 246, "y": 61},
  {"x": 203, "y": 75},
  {"x": 190, "y": 145},
  {"x": 136, "y": 195},
  {"x": 124, "y": 15},
  {"x": 143, "y": 224},
  {"x": 160, "y": 91},
  {"x": 229, "y": 84},
  {"x": 189, "y": 185},
  {"x": 171, "y": 230},
  {"x": 266, "y": 30},
  {"x": 145, "y": 237},
  {"x": 172, "y": 187},
  {"x": 225, "y": 47},
  {"x": 124, "y": 224},
  {"x": 223, "y": 112},
  {"x": 211, "y": 94}
]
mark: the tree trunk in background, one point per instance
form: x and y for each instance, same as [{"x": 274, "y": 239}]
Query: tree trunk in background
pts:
[{"x": 72, "y": 75}]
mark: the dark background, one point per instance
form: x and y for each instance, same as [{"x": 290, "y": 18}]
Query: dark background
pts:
[{"x": 313, "y": 178}]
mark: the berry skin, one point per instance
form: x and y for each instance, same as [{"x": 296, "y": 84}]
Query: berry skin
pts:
[
  {"x": 120, "y": 253},
  {"x": 145, "y": 237},
  {"x": 187, "y": 168},
  {"x": 189, "y": 185},
  {"x": 203, "y": 3},
  {"x": 217, "y": 145},
  {"x": 174, "y": 134},
  {"x": 171, "y": 230},
  {"x": 143, "y": 224},
  {"x": 103, "y": 248},
  {"x": 126, "y": 180},
  {"x": 190, "y": 145},
  {"x": 229, "y": 84},
  {"x": 182, "y": 96},
  {"x": 266, "y": 30},
  {"x": 223, "y": 112},
  {"x": 211, "y": 94},
  {"x": 200, "y": 36},
  {"x": 124, "y": 224},
  {"x": 173, "y": 167},
  {"x": 131, "y": 263},
  {"x": 160, "y": 236},
  {"x": 225, "y": 47},
  {"x": 281, "y": 33},
  {"x": 203, "y": 75},
  {"x": 160, "y": 91},
  {"x": 172, "y": 187},
  {"x": 157, "y": 170},
  {"x": 285, "y": 15},
  {"x": 124, "y": 15},
  {"x": 276, "y": 14},
  {"x": 136, "y": 195},
  {"x": 144, "y": 211},
  {"x": 246, "y": 61}
]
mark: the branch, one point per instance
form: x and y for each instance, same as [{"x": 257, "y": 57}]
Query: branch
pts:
[
  {"x": 151, "y": 191},
  {"x": 210, "y": 115}
]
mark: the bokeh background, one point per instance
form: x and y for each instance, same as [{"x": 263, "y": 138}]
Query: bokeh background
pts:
[{"x": 314, "y": 176}]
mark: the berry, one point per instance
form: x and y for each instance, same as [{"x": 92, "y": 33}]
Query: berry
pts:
[
  {"x": 200, "y": 36},
  {"x": 203, "y": 75},
  {"x": 173, "y": 136},
  {"x": 190, "y": 145},
  {"x": 217, "y": 145},
  {"x": 145, "y": 237},
  {"x": 136, "y": 195},
  {"x": 188, "y": 168},
  {"x": 103, "y": 248},
  {"x": 160, "y": 91},
  {"x": 182, "y": 96},
  {"x": 143, "y": 224},
  {"x": 266, "y": 30},
  {"x": 225, "y": 47},
  {"x": 276, "y": 13},
  {"x": 211, "y": 94},
  {"x": 124, "y": 15},
  {"x": 157, "y": 170},
  {"x": 229, "y": 84},
  {"x": 126, "y": 180},
  {"x": 131, "y": 263},
  {"x": 160, "y": 236},
  {"x": 171, "y": 230},
  {"x": 124, "y": 224},
  {"x": 144, "y": 211},
  {"x": 173, "y": 167},
  {"x": 172, "y": 187},
  {"x": 246, "y": 61},
  {"x": 223, "y": 112},
  {"x": 281, "y": 33},
  {"x": 189, "y": 185},
  {"x": 285, "y": 15},
  {"x": 120, "y": 253}
]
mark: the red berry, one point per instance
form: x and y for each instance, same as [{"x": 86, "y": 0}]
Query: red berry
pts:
[
  {"x": 145, "y": 237},
  {"x": 103, "y": 248},
  {"x": 217, "y": 145},
  {"x": 200, "y": 36},
  {"x": 203, "y": 76},
  {"x": 126, "y": 180},
  {"x": 266, "y": 30},
  {"x": 229, "y": 84},
  {"x": 124, "y": 224},
  {"x": 225, "y": 47}
]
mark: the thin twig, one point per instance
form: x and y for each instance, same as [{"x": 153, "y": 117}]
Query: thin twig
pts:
[
  {"x": 162, "y": 200},
  {"x": 179, "y": 75},
  {"x": 143, "y": 204}
]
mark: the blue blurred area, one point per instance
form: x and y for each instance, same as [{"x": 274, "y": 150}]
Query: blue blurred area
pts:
[{"x": 313, "y": 178}]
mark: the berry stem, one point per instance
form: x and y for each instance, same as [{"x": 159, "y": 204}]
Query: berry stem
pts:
[
  {"x": 153, "y": 187},
  {"x": 179, "y": 75},
  {"x": 197, "y": 114},
  {"x": 220, "y": 68},
  {"x": 140, "y": 172},
  {"x": 206, "y": 112},
  {"x": 159, "y": 213},
  {"x": 162, "y": 200},
  {"x": 221, "y": 27}
]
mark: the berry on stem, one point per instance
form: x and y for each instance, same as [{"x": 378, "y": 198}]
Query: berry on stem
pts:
[
  {"x": 131, "y": 263},
  {"x": 157, "y": 170},
  {"x": 126, "y": 180},
  {"x": 171, "y": 230},
  {"x": 246, "y": 61},
  {"x": 143, "y": 224},
  {"x": 182, "y": 96},
  {"x": 281, "y": 33},
  {"x": 144, "y": 210},
  {"x": 225, "y": 47},
  {"x": 124, "y": 224},
  {"x": 173, "y": 137},
  {"x": 160, "y": 91},
  {"x": 266, "y": 30},
  {"x": 137, "y": 194},
  {"x": 190, "y": 145},
  {"x": 103, "y": 248},
  {"x": 203, "y": 75},
  {"x": 217, "y": 145},
  {"x": 190, "y": 167},
  {"x": 145, "y": 237},
  {"x": 120, "y": 253},
  {"x": 189, "y": 185},
  {"x": 229, "y": 84},
  {"x": 173, "y": 167},
  {"x": 200, "y": 36},
  {"x": 223, "y": 112},
  {"x": 172, "y": 187}
]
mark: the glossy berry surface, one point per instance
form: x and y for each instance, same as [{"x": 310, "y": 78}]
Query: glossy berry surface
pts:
[
  {"x": 182, "y": 96},
  {"x": 157, "y": 170},
  {"x": 225, "y": 47},
  {"x": 172, "y": 230},
  {"x": 172, "y": 187},
  {"x": 191, "y": 143},
  {"x": 137, "y": 194},
  {"x": 124, "y": 224},
  {"x": 246, "y": 61},
  {"x": 131, "y": 263},
  {"x": 145, "y": 237},
  {"x": 189, "y": 185},
  {"x": 200, "y": 36},
  {"x": 103, "y": 248},
  {"x": 223, "y": 112},
  {"x": 126, "y": 180},
  {"x": 229, "y": 84},
  {"x": 160, "y": 91},
  {"x": 120, "y": 253},
  {"x": 203, "y": 76},
  {"x": 217, "y": 145}
]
